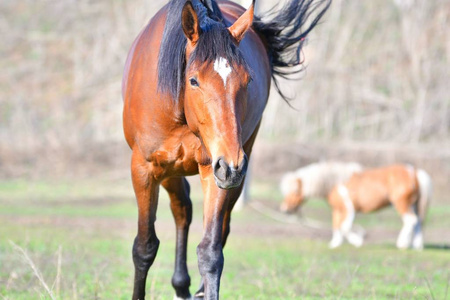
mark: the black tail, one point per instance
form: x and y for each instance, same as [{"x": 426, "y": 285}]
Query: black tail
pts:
[{"x": 283, "y": 32}]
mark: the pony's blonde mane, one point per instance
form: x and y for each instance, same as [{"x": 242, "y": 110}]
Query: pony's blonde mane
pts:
[{"x": 319, "y": 178}]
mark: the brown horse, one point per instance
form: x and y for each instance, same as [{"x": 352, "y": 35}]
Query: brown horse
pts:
[
  {"x": 196, "y": 83},
  {"x": 407, "y": 189}
]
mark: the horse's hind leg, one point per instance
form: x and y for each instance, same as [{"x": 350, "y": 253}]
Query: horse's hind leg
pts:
[
  {"x": 338, "y": 237},
  {"x": 417, "y": 241},
  {"x": 146, "y": 243},
  {"x": 405, "y": 236},
  {"x": 410, "y": 221},
  {"x": 181, "y": 205}
]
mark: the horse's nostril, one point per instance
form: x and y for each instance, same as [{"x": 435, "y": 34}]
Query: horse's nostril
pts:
[
  {"x": 228, "y": 177},
  {"x": 221, "y": 169},
  {"x": 223, "y": 164}
]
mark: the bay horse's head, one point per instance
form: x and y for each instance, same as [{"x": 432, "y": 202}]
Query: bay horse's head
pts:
[{"x": 215, "y": 90}]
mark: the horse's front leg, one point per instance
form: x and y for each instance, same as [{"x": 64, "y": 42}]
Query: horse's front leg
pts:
[
  {"x": 233, "y": 196},
  {"x": 146, "y": 242},
  {"x": 181, "y": 206},
  {"x": 209, "y": 251}
]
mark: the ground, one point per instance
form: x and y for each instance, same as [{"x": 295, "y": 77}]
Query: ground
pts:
[{"x": 79, "y": 236}]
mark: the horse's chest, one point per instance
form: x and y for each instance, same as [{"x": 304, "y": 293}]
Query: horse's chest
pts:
[{"x": 175, "y": 157}]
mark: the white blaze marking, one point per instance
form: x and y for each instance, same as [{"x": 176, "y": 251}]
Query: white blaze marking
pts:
[{"x": 222, "y": 67}]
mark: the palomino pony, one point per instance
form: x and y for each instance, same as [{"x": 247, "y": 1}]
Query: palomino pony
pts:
[
  {"x": 406, "y": 188},
  {"x": 196, "y": 83},
  {"x": 314, "y": 180}
]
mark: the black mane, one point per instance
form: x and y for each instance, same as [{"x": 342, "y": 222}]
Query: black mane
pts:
[
  {"x": 214, "y": 41},
  {"x": 282, "y": 30},
  {"x": 285, "y": 30}
]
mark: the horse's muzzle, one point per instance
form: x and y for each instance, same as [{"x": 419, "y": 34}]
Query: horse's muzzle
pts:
[{"x": 228, "y": 177}]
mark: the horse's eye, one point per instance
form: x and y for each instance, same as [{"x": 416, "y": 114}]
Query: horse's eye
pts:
[{"x": 193, "y": 82}]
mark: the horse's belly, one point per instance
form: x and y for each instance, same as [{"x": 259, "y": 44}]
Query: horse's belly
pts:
[{"x": 372, "y": 201}]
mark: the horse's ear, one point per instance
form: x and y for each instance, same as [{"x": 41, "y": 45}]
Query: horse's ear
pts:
[
  {"x": 240, "y": 27},
  {"x": 189, "y": 22}
]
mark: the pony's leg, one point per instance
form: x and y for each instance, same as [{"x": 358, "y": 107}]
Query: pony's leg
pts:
[
  {"x": 346, "y": 227},
  {"x": 181, "y": 206},
  {"x": 404, "y": 203},
  {"x": 354, "y": 238},
  {"x": 417, "y": 241},
  {"x": 146, "y": 243},
  {"x": 338, "y": 237},
  {"x": 410, "y": 221}
]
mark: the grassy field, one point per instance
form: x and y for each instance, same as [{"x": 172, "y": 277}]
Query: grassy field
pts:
[{"x": 78, "y": 236}]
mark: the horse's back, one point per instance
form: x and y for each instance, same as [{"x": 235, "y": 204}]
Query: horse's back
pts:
[
  {"x": 142, "y": 115},
  {"x": 377, "y": 188}
]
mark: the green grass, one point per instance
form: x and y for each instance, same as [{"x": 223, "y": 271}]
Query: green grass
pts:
[{"x": 94, "y": 225}]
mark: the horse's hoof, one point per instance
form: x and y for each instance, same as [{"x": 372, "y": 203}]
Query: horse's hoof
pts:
[
  {"x": 179, "y": 298},
  {"x": 199, "y": 296}
]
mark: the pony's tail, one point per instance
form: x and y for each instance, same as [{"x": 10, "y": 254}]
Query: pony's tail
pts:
[
  {"x": 284, "y": 32},
  {"x": 426, "y": 190}
]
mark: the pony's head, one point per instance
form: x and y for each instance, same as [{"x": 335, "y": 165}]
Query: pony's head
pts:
[
  {"x": 215, "y": 90},
  {"x": 292, "y": 189}
]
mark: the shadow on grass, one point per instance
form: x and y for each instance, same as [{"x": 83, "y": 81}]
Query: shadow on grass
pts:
[
  {"x": 389, "y": 246},
  {"x": 437, "y": 246}
]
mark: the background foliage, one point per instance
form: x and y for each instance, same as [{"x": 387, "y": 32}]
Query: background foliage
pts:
[{"x": 377, "y": 75}]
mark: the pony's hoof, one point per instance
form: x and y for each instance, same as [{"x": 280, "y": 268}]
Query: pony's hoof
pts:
[
  {"x": 402, "y": 245},
  {"x": 418, "y": 247},
  {"x": 355, "y": 239},
  {"x": 417, "y": 242},
  {"x": 357, "y": 244},
  {"x": 334, "y": 245},
  {"x": 199, "y": 295}
]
